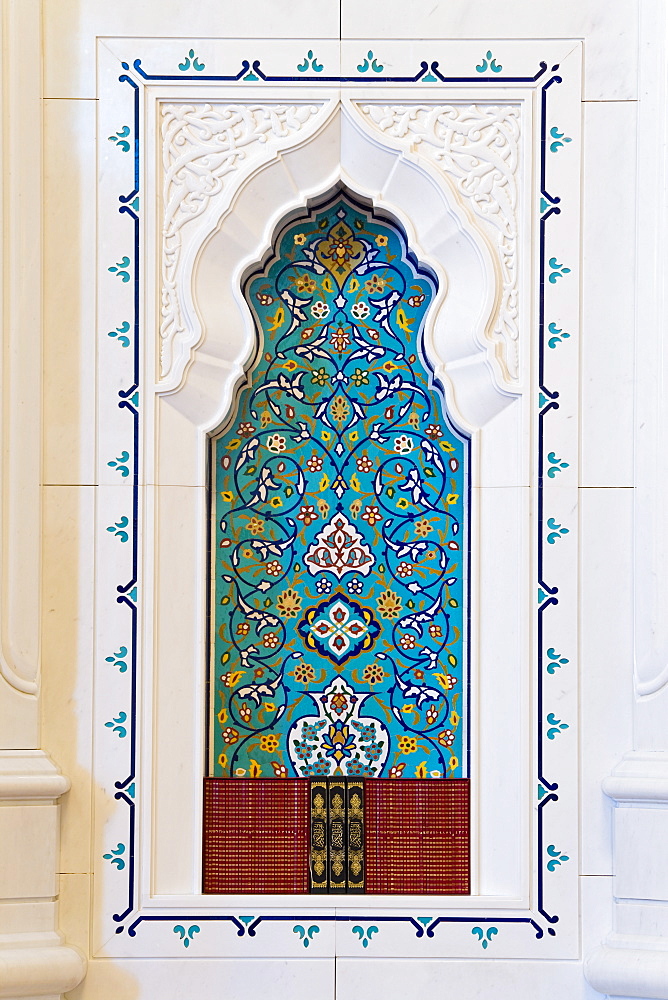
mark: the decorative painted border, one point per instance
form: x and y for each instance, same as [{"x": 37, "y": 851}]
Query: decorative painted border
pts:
[
  {"x": 483, "y": 927},
  {"x": 128, "y": 592},
  {"x": 252, "y": 73}
]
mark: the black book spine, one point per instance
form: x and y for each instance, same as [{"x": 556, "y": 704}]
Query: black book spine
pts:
[
  {"x": 355, "y": 818},
  {"x": 318, "y": 859},
  {"x": 337, "y": 835}
]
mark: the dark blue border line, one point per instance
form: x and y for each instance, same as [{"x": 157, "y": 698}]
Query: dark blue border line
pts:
[
  {"x": 119, "y": 917},
  {"x": 549, "y": 404},
  {"x": 260, "y": 76},
  {"x": 543, "y": 133},
  {"x": 486, "y": 920},
  {"x": 548, "y": 401},
  {"x": 489, "y": 79},
  {"x": 124, "y": 599},
  {"x": 551, "y": 786},
  {"x": 126, "y": 402},
  {"x": 551, "y": 919},
  {"x": 128, "y": 79},
  {"x": 129, "y": 400},
  {"x": 250, "y": 929}
]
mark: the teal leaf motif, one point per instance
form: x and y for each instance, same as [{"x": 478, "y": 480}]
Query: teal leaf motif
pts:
[
  {"x": 556, "y": 465},
  {"x": 310, "y": 62},
  {"x": 250, "y": 76},
  {"x": 558, "y": 270},
  {"x": 306, "y": 936},
  {"x": 120, "y": 138},
  {"x": 370, "y": 62},
  {"x": 556, "y": 856},
  {"x": 118, "y": 531},
  {"x": 119, "y": 464},
  {"x": 484, "y": 937},
  {"x": 120, "y": 269},
  {"x": 557, "y": 335},
  {"x": 120, "y": 332},
  {"x": 556, "y": 531},
  {"x": 191, "y": 58},
  {"x": 556, "y": 660},
  {"x": 559, "y": 139},
  {"x": 489, "y": 62},
  {"x": 186, "y": 935},
  {"x": 365, "y": 935},
  {"x": 115, "y": 857},
  {"x": 117, "y": 725},
  {"x": 557, "y": 726},
  {"x": 118, "y": 659}
]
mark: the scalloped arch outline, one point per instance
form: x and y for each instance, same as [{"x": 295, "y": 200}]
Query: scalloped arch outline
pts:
[{"x": 235, "y": 231}]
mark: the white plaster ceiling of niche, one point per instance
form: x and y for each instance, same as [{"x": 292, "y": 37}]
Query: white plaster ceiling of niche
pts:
[
  {"x": 476, "y": 147},
  {"x": 234, "y": 203}
]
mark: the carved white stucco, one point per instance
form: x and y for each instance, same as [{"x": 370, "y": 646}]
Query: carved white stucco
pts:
[
  {"x": 476, "y": 146},
  {"x": 201, "y": 145}
]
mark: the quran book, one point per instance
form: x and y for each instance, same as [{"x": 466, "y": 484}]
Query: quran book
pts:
[
  {"x": 319, "y": 869},
  {"x": 355, "y": 859},
  {"x": 337, "y": 835}
]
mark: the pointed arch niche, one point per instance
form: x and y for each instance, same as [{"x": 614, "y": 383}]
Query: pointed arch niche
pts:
[
  {"x": 340, "y": 503},
  {"x": 196, "y": 392}
]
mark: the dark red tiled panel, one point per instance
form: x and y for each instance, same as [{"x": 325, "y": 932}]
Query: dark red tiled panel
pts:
[
  {"x": 417, "y": 836},
  {"x": 256, "y": 835}
]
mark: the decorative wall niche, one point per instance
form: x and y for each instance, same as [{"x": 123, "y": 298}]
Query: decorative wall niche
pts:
[
  {"x": 340, "y": 527},
  {"x": 474, "y": 169}
]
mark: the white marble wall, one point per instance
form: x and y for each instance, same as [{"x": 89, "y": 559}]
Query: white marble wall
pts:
[{"x": 621, "y": 933}]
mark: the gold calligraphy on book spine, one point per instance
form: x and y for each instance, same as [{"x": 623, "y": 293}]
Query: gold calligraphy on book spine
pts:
[
  {"x": 318, "y": 850},
  {"x": 355, "y": 803}
]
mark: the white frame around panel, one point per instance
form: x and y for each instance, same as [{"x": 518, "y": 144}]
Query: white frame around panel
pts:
[{"x": 167, "y": 854}]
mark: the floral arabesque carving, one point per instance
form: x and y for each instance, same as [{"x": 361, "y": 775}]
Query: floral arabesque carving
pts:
[
  {"x": 476, "y": 145},
  {"x": 202, "y": 144}
]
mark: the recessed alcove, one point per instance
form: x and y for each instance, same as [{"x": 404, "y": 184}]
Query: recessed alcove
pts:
[{"x": 226, "y": 240}]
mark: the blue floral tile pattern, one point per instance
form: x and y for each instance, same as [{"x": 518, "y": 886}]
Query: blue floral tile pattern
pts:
[{"x": 341, "y": 521}]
